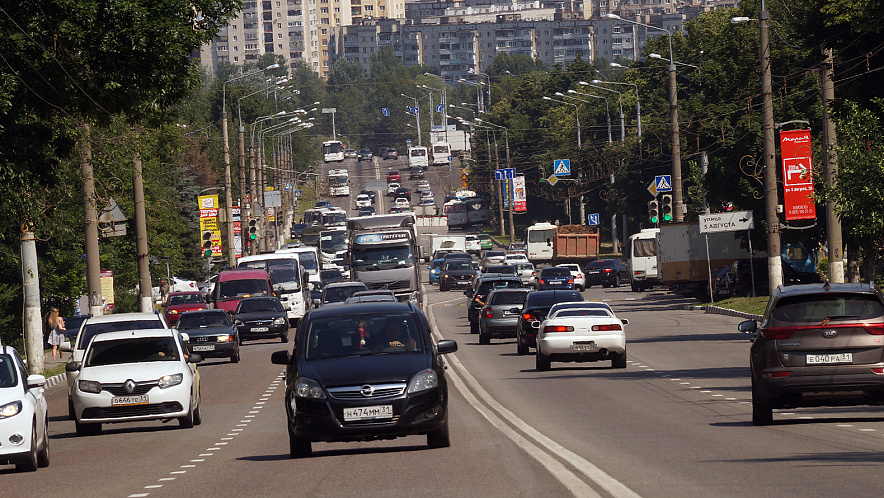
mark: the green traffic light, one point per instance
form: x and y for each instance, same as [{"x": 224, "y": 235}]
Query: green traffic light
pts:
[
  {"x": 252, "y": 236},
  {"x": 207, "y": 253},
  {"x": 667, "y": 217},
  {"x": 654, "y": 219}
]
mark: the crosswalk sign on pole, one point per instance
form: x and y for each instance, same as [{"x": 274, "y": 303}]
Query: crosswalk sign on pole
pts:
[
  {"x": 562, "y": 167},
  {"x": 663, "y": 183}
]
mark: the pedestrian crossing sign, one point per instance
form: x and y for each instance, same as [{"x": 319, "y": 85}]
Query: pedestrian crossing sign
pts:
[
  {"x": 663, "y": 183},
  {"x": 562, "y": 167}
]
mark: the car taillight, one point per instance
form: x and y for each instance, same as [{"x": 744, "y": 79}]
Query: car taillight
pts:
[
  {"x": 542, "y": 281},
  {"x": 533, "y": 273},
  {"x": 489, "y": 313},
  {"x": 609, "y": 326},
  {"x": 571, "y": 280},
  {"x": 638, "y": 272},
  {"x": 775, "y": 375},
  {"x": 579, "y": 275},
  {"x": 874, "y": 328},
  {"x": 773, "y": 333},
  {"x": 558, "y": 328},
  {"x": 608, "y": 270},
  {"x": 528, "y": 317}
]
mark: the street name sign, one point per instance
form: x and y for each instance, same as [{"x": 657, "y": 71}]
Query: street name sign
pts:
[{"x": 726, "y": 222}]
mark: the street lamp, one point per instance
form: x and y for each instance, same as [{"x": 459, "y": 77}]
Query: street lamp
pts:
[
  {"x": 509, "y": 193},
  {"x": 607, "y": 109},
  {"x": 477, "y": 73},
  {"x": 638, "y": 107},
  {"x": 661, "y": 58},
  {"x": 479, "y": 96},
  {"x": 620, "y": 95},
  {"x": 576, "y": 114},
  {"x": 444, "y": 103},
  {"x": 673, "y": 112},
  {"x": 417, "y": 114}
]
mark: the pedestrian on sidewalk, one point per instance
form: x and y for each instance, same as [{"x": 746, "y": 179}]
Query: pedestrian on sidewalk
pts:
[{"x": 55, "y": 325}]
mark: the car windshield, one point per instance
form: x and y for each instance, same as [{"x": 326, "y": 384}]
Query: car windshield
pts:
[
  {"x": 7, "y": 371},
  {"x": 258, "y": 306},
  {"x": 131, "y": 350},
  {"x": 459, "y": 266},
  {"x": 363, "y": 334},
  {"x": 382, "y": 258},
  {"x": 234, "y": 289},
  {"x": 308, "y": 261},
  {"x": 333, "y": 218},
  {"x": 509, "y": 298},
  {"x": 817, "y": 308},
  {"x": 330, "y": 274},
  {"x": 285, "y": 273},
  {"x": 194, "y": 298},
  {"x": 203, "y": 320},
  {"x": 90, "y": 330},
  {"x": 338, "y": 294}
]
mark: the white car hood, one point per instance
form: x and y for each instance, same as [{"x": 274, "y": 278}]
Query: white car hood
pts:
[
  {"x": 138, "y": 372},
  {"x": 10, "y": 394}
]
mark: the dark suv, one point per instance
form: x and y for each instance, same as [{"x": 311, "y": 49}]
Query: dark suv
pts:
[
  {"x": 817, "y": 345},
  {"x": 536, "y": 307}
]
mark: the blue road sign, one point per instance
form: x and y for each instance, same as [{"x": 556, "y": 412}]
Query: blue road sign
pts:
[
  {"x": 663, "y": 182},
  {"x": 562, "y": 167},
  {"x": 504, "y": 173},
  {"x": 296, "y": 193},
  {"x": 439, "y": 108},
  {"x": 385, "y": 111},
  {"x": 408, "y": 141},
  {"x": 498, "y": 174},
  {"x": 592, "y": 219}
]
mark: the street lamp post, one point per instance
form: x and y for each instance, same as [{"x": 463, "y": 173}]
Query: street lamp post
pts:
[
  {"x": 620, "y": 96},
  {"x": 638, "y": 107},
  {"x": 444, "y": 103},
  {"x": 417, "y": 119},
  {"x": 479, "y": 97},
  {"x": 576, "y": 114},
  {"x": 673, "y": 113},
  {"x": 607, "y": 108},
  {"x": 509, "y": 164}
]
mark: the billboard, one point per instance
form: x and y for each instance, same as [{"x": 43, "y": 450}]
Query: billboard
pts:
[
  {"x": 519, "y": 195},
  {"x": 797, "y": 175},
  {"x": 208, "y": 206}
]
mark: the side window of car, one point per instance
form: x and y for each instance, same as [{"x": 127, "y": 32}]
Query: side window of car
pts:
[{"x": 22, "y": 371}]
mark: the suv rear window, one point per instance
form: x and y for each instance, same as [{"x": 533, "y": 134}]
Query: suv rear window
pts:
[
  {"x": 819, "y": 307},
  {"x": 599, "y": 264},
  {"x": 543, "y": 299},
  {"x": 509, "y": 298},
  {"x": 489, "y": 254},
  {"x": 485, "y": 287},
  {"x": 555, "y": 272}
]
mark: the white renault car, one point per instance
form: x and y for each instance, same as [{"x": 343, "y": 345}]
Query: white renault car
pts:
[
  {"x": 24, "y": 423},
  {"x": 136, "y": 375},
  {"x": 581, "y": 331}
]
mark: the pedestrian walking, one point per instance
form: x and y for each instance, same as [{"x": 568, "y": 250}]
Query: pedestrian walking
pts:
[
  {"x": 55, "y": 325},
  {"x": 164, "y": 292}
]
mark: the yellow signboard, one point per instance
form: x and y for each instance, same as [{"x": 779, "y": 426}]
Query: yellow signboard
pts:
[{"x": 208, "y": 206}]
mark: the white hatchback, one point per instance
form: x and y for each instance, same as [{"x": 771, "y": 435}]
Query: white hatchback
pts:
[
  {"x": 581, "y": 331},
  {"x": 577, "y": 274},
  {"x": 402, "y": 202},
  {"x": 363, "y": 200},
  {"x": 391, "y": 188},
  {"x": 513, "y": 258},
  {"x": 24, "y": 423},
  {"x": 135, "y": 375}
]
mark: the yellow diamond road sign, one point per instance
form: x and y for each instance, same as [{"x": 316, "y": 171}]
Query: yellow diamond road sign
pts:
[{"x": 552, "y": 179}]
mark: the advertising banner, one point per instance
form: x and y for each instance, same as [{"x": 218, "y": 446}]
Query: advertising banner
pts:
[
  {"x": 107, "y": 290},
  {"x": 208, "y": 206},
  {"x": 797, "y": 175},
  {"x": 520, "y": 197}
]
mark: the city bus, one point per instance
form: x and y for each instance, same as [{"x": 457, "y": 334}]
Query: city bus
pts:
[
  {"x": 466, "y": 212},
  {"x": 333, "y": 150},
  {"x": 338, "y": 183},
  {"x": 441, "y": 153}
]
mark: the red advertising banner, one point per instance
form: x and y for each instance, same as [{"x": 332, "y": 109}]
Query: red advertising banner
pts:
[{"x": 797, "y": 175}]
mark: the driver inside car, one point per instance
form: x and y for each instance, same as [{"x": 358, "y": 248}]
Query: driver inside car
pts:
[{"x": 395, "y": 336}]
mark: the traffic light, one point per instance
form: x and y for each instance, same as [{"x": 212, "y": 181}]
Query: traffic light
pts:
[
  {"x": 667, "y": 207},
  {"x": 207, "y": 243},
  {"x": 654, "y": 211},
  {"x": 253, "y": 229}
]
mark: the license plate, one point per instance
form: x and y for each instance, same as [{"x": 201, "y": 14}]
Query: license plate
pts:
[
  {"x": 556, "y": 282},
  {"x": 828, "y": 359},
  {"x": 129, "y": 400},
  {"x": 583, "y": 347},
  {"x": 260, "y": 329},
  {"x": 368, "y": 413},
  {"x": 210, "y": 347}
]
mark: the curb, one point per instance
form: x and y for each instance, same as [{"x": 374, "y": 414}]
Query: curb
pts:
[
  {"x": 56, "y": 379},
  {"x": 717, "y": 310}
]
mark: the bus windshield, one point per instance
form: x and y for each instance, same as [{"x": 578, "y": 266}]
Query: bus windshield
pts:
[
  {"x": 332, "y": 242},
  {"x": 382, "y": 258},
  {"x": 332, "y": 148}
]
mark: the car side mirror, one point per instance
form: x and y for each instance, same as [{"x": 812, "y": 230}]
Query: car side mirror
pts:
[
  {"x": 37, "y": 380},
  {"x": 72, "y": 366},
  {"x": 749, "y": 326},
  {"x": 281, "y": 357},
  {"x": 446, "y": 346},
  {"x": 194, "y": 358},
  {"x": 185, "y": 337},
  {"x": 65, "y": 346},
  {"x": 535, "y": 324},
  {"x": 624, "y": 321}
]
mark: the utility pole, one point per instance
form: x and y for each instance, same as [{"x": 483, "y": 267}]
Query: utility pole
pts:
[
  {"x": 93, "y": 262},
  {"x": 144, "y": 297},
  {"x": 509, "y": 191},
  {"x": 30, "y": 278},
  {"x": 774, "y": 261},
  {"x": 228, "y": 193},
  {"x": 243, "y": 193},
  {"x": 253, "y": 210},
  {"x": 833, "y": 224}
]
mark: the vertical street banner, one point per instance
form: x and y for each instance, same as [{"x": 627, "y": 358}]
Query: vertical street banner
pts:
[
  {"x": 208, "y": 206},
  {"x": 520, "y": 197},
  {"x": 237, "y": 231},
  {"x": 107, "y": 289},
  {"x": 797, "y": 175},
  {"x": 507, "y": 192}
]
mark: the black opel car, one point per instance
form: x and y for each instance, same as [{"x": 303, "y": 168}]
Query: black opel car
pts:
[
  {"x": 261, "y": 317},
  {"x": 363, "y": 372},
  {"x": 536, "y": 307}
]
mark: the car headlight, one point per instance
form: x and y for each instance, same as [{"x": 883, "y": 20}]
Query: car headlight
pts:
[
  {"x": 173, "y": 312},
  {"x": 170, "y": 380},
  {"x": 224, "y": 338},
  {"x": 10, "y": 409},
  {"x": 279, "y": 321},
  {"x": 89, "y": 386},
  {"x": 308, "y": 388},
  {"x": 426, "y": 379}
]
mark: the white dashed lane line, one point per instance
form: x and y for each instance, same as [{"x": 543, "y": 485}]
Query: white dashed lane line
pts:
[{"x": 220, "y": 444}]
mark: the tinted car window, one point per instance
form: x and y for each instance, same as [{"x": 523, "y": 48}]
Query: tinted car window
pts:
[
  {"x": 459, "y": 266},
  {"x": 361, "y": 334},
  {"x": 505, "y": 270},
  {"x": 7, "y": 371},
  {"x": 584, "y": 312},
  {"x": 494, "y": 253},
  {"x": 555, "y": 272},
  {"x": 543, "y": 299},
  {"x": 509, "y": 298},
  {"x": 484, "y": 287},
  {"x": 142, "y": 349},
  {"x": 600, "y": 264},
  {"x": 330, "y": 274},
  {"x": 338, "y": 294},
  {"x": 197, "y": 320},
  {"x": 185, "y": 299},
  {"x": 817, "y": 308},
  {"x": 258, "y": 305}
]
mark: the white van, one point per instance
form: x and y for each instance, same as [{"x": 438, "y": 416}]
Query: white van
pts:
[
  {"x": 417, "y": 158},
  {"x": 441, "y": 153},
  {"x": 288, "y": 279},
  {"x": 641, "y": 252}
]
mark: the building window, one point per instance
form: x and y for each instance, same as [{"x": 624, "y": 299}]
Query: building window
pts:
[
  {"x": 234, "y": 38},
  {"x": 279, "y": 36}
]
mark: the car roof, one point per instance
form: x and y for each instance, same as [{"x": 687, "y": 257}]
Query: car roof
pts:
[
  {"x": 536, "y": 295},
  {"x": 242, "y": 274},
  {"x": 123, "y": 317},
  {"x": 259, "y": 298},
  {"x": 818, "y": 288},
  {"x": 343, "y": 284},
  {"x": 498, "y": 276},
  {"x": 379, "y": 307},
  {"x": 203, "y": 311}
]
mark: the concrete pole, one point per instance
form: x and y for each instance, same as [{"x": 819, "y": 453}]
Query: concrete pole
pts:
[
  {"x": 228, "y": 194},
  {"x": 243, "y": 192},
  {"x": 253, "y": 185},
  {"x": 833, "y": 224},
  {"x": 676, "y": 145},
  {"x": 704, "y": 167},
  {"x": 509, "y": 191},
  {"x": 30, "y": 277},
  {"x": 259, "y": 201},
  {"x": 90, "y": 210},
  {"x": 499, "y": 190},
  {"x": 145, "y": 300},
  {"x": 774, "y": 261}
]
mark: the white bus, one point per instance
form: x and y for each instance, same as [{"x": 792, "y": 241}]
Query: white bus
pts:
[
  {"x": 289, "y": 281},
  {"x": 333, "y": 150},
  {"x": 441, "y": 153},
  {"x": 641, "y": 251},
  {"x": 541, "y": 240},
  {"x": 417, "y": 158},
  {"x": 338, "y": 183}
]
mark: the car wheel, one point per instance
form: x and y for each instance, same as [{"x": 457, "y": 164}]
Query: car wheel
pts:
[
  {"x": 234, "y": 358},
  {"x": 440, "y": 438},
  {"x": 186, "y": 422},
  {"x": 197, "y": 412},
  {"x": 484, "y": 338},
  {"x": 634, "y": 287},
  {"x": 580, "y": 288},
  {"x": 71, "y": 409},
  {"x": 285, "y": 337},
  {"x": 442, "y": 288},
  {"x": 29, "y": 462},
  {"x": 521, "y": 349},
  {"x": 606, "y": 285},
  {"x": 618, "y": 360},
  {"x": 298, "y": 448},
  {"x": 762, "y": 412},
  {"x": 87, "y": 429},
  {"x": 617, "y": 281},
  {"x": 543, "y": 363},
  {"x": 588, "y": 286},
  {"x": 43, "y": 454}
]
